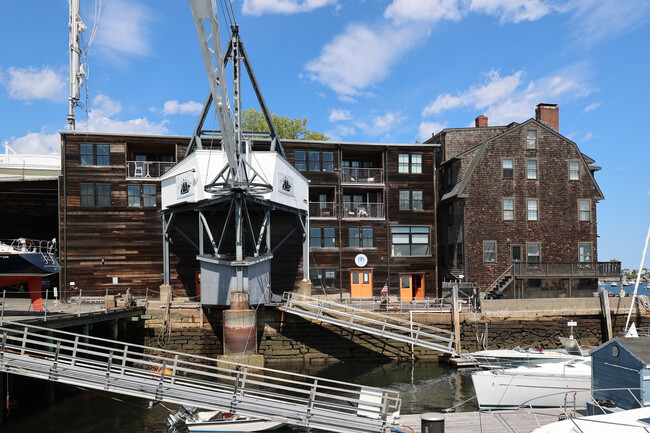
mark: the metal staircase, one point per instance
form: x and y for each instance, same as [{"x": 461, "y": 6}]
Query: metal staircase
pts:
[
  {"x": 191, "y": 380},
  {"x": 373, "y": 323}
]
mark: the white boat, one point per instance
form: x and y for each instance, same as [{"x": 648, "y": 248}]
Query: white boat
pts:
[
  {"x": 517, "y": 356},
  {"x": 218, "y": 421},
  {"x": 632, "y": 420},
  {"x": 544, "y": 385}
]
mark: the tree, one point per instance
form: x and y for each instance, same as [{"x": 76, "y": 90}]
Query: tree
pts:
[{"x": 293, "y": 129}]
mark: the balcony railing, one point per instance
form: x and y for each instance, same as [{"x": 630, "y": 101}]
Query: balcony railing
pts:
[
  {"x": 363, "y": 210},
  {"x": 565, "y": 269},
  {"x": 362, "y": 175},
  {"x": 322, "y": 209},
  {"x": 147, "y": 168}
]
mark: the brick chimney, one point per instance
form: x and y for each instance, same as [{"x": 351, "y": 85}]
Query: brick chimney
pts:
[
  {"x": 481, "y": 121},
  {"x": 549, "y": 114}
]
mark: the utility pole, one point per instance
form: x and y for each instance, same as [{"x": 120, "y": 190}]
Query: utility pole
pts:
[{"x": 76, "y": 68}]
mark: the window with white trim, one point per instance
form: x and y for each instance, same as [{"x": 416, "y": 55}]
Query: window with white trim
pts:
[
  {"x": 508, "y": 168},
  {"x": 585, "y": 252},
  {"x": 574, "y": 170},
  {"x": 531, "y": 139},
  {"x": 533, "y": 253},
  {"x": 489, "y": 251},
  {"x": 409, "y": 163},
  {"x": 584, "y": 210},
  {"x": 508, "y": 209},
  {"x": 532, "y": 209},
  {"x": 531, "y": 169}
]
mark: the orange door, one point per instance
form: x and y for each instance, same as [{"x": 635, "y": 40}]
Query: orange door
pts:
[
  {"x": 405, "y": 288},
  {"x": 361, "y": 283},
  {"x": 418, "y": 287}
]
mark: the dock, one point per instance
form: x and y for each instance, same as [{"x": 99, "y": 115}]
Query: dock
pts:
[{"x": 516, "y": 421}]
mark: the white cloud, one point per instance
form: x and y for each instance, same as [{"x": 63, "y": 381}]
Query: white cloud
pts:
[
  {"x": 512, "y": 10},
  {"x": 423, "y": 10},
  {"x": 510, "y": 98},
  {"x": 591, "y": 107},
  {"x": 123, "y": 28},
  {"x": 360, "y": 57},
  {"x": 428, "y": 129},
  {"x": 32, "y": 83},
  {"x": 339, "y": 114},
  {"x": 381, "y": 124},
  {"x": 100, "y": 119},
  {"x": 596, "y": 20},
  {"x": 37, "y": 143},
  {"x": 340, "y": 131},
  {"x": 259, "y": 7},
  {"x": 175, "y": 107},
  {"x": 588, "y": 136}
]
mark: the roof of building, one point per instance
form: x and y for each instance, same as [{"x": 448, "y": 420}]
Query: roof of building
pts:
[{"x": 638, "y": 346}]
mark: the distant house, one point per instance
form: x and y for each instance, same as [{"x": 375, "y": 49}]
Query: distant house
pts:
[{"x": 517, "y": 208}]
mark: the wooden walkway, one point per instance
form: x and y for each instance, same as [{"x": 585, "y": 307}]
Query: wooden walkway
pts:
[{"x": 510, "y": 421}]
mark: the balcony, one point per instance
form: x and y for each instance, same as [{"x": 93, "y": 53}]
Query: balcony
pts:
[
  {"x": 362, "y": 175},
  {"x": 322, "y": 209},
  {"x": 147, "y": 169},
  {"x": 355, "y": 210},
  {"x": 566, "y": 270}
]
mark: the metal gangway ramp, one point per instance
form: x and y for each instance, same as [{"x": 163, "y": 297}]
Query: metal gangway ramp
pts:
[
  {"x": 174, "y": 377},
  {"x": 380, "y": 325}
]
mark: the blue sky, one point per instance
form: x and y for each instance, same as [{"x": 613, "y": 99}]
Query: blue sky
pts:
[{"x": 359, "y": 70}]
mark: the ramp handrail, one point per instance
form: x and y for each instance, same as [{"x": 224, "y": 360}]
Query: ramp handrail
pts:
[
  {"x": 193, "y": 380},
  {"x": 381, "y": 325}
]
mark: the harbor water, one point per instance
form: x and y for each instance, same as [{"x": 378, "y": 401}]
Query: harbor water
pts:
[{"x": 424, "y": 387}]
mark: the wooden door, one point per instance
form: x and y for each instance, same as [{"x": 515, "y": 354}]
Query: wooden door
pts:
[
  {"x": 406, "y": 288},
  {"x": 361, "y": 283},
  {"x": 418, "y": 287}
]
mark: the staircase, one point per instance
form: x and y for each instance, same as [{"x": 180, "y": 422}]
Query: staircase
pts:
[{"x": 496, "y": 289}]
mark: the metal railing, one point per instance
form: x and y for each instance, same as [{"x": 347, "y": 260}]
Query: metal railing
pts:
[
  {"x": 362, "y": 210},
  {"x": 495, "y": 284},
  {"x": 566, "y": 269},
  {"x": 322, "y": 209},
  {"x": 372, "y": 323},
  {"x": 362, "y": 175},
  {"x": 429, "y": 305},
  {"x": 147, "y": 168},
  {"x": 194, "y": 380}
]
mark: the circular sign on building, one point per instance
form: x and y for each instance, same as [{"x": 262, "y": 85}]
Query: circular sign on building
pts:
[{"x": 361, "y": 260}]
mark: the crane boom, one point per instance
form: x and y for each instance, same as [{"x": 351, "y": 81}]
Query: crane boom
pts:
[{"x": 207, "y": 29}]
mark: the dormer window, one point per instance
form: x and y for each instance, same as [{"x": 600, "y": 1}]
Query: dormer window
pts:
[{"x": 531, "y": 139}]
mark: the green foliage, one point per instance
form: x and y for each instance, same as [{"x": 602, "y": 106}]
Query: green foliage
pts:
[{"x": 293, "y": 129}]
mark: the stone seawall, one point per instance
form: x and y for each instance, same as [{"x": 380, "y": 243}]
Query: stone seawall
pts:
[{"x": 284, "y": 338}]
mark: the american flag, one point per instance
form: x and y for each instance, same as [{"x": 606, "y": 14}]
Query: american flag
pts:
[{"x": 384, "y": 292}]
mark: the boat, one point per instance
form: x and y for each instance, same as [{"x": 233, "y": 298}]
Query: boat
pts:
[
  {"x": 218, "y": 421},
  {"x": 543, "y": 385},
  {"x": 495, "y": 358},
  {"x": 27, "y": 261},
  {"x": 631, "y": 420}
]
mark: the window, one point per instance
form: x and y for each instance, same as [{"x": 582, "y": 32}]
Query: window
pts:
[
  {"x": 489, "y": 251},
  {"x": 314, "y": 160},
  {"x": 322, "y": 237},
  {"x": 459, "y": 254},
  {"x": 323, "y": 278},
  {"x": 584, "y": 210},
  {"x": 417, "y": 199},
  {"x": 87, "y": 194},
  {"x": 584, "y": 252},
  {"x": 92, "y": 195},
  {"x": 532, "y": 208},
  {"x": 404, "y": 200},
  {"x": 300, "y": 162},
  {"x": 149, "y": 195},
  {"x": 411, "y": 200},
  {"x": 508, "y": 209},
  {"x": 410, "y": 241},
  {"x": 508, "y": 168},
  {"x": 328, "y": 161},
  {"x": 531, "y": 139},
  {"x": 94, "y": 154},
  {"x": 409, "y": 163},
  {"x": 403, "y": 163},
  {"x": 534, "y": 253},
  {"x": 574, "y": 170},
  {"x": 133, "y": 195},
  {"x": 103, "y": 195},
  {"x": 361, "y": 237},
  {"x": 531, "y": 169}
]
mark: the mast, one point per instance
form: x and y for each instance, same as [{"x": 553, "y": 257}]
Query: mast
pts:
[{"x": 77, "y": 73}]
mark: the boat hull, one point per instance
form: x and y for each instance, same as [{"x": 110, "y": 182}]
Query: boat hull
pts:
[
  {"x": 240, "y": 425},
  {"x": 507, "y": 389},
  {"x": 15, "y": 266}
]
